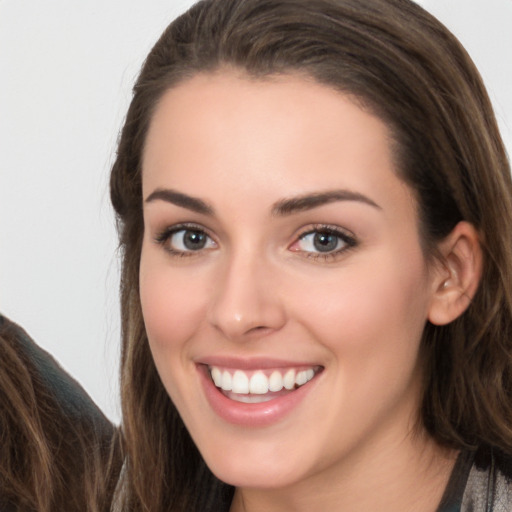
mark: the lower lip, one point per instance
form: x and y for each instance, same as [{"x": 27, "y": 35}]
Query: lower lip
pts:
[{"x": 251, "y": 415}]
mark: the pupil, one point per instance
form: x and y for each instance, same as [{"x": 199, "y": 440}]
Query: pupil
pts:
[
  {"x": 325, "y": 242},
  {"x": 194, "y": 240}
]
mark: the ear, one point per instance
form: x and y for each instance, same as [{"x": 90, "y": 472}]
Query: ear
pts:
[{"x": 457, "y": 274}]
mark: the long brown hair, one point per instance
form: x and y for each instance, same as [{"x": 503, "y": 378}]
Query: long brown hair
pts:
[
  {"x": 403, "y": 65},
  {"x": 57, "y": 450}
]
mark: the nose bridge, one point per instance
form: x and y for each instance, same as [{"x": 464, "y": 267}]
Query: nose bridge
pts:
[{"x": 246, "y": 298}]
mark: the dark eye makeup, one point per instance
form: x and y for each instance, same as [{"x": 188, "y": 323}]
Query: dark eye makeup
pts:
[
  {"x": 319, "y": 242},
  {"x": 185, "y": 239},
  {"x": 324, "y": 242}
]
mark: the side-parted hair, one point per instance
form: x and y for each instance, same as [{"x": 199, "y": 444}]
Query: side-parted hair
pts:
[{"x": 402, "y": 65}]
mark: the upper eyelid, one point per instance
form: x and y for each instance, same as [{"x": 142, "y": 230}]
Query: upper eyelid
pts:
[
  {"x": 183, "y": 226},
  {"x": 348, "y": 238},
  {"x": 301, "y": 232},
  {"x": 163, "y": 237},
  {"x": 337, "y": 230}
]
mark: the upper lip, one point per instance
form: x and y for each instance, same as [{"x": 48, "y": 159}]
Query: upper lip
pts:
[{"x": 253, "y": 363}]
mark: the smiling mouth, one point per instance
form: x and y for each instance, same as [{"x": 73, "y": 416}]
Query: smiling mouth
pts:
[{"x": 260, "y": 385}]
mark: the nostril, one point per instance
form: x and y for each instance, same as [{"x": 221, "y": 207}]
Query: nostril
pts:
[{"x": 259, "y": 329}]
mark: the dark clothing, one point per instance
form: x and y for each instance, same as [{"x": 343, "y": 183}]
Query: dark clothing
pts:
[
  {"x": 481, "y": 481},
  {"x": 69, "y": 394},
  {"x": 72, "y": 399},
  {"x": 76, "y": 432}
]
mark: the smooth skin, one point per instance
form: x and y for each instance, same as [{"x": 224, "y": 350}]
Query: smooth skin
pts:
[{"x": 343, "y": 284}]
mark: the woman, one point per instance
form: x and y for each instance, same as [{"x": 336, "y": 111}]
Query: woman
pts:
[
  {"x": 314, "y": 208},
  {"x": 57, "y": 450}
]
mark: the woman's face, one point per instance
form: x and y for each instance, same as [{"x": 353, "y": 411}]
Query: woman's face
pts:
[{"x": 281, "y": 261}]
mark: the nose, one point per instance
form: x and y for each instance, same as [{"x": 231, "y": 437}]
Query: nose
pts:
[{"x": 246, "y": 300}]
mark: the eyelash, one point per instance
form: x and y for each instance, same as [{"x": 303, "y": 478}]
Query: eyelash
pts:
[
  {"x": 164, "y": 236},
  {"x": 346, "y": 238}
]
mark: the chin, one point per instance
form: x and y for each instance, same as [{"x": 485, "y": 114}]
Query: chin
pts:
[
  {"x": 256, "y": 467},
  {"x": 253, "y": 477}
]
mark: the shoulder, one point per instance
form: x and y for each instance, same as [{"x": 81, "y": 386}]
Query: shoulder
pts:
[
  {"x": 58, "y": 450},
  {"x": 489, "y": 484},
  {"x": 49, "y": 377}
]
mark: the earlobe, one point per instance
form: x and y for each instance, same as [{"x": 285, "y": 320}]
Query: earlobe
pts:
[{"x": 457, "y": 274}]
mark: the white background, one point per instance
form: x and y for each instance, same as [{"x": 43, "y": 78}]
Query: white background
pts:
[{"x": 66, "y": 69}]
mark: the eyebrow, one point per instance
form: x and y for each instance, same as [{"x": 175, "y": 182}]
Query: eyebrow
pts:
[
  {"x": 309, "y": 201},
  {"x": 179, "y": 199},
  {"x": 281, "y": 208}
]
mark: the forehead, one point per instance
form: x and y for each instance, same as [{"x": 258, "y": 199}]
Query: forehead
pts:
[{"x": 284, "y": 133}]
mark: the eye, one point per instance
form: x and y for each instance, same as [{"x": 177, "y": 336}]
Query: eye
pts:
[
  {"x": 184, "y": 240},
  {"x": 323, "y": 241}
]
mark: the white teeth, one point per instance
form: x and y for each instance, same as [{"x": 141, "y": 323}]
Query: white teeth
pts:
[
  {"x": 217, "y": 377},
  {"x": 275, "y": 383},
  {"x": 259, "y": 384},
  {"x": 289, "y": 379},
  {"x": 250, "y": 399},
  {"x": 301, "y": 378},
  {"x": 304, "y": 376},
  {"x": 240, "y": 382},
  {"x": 226, "y": 384}
]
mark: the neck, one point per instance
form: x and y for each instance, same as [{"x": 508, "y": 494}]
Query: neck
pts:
[{"x": 409, "y": 475}]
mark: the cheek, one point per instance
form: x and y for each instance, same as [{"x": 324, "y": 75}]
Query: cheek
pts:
[
  {"x": 172, "y": 308},
  {"x": 371, "y": 324},
  {"x": 172, "y": 305},
  {"x": 373, "y": 311}
]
